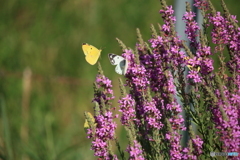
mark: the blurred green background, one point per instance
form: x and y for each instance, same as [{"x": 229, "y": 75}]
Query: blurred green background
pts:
[{"x": 42, "y": 112}]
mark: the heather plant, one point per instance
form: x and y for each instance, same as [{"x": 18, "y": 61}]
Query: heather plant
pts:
[{"x": 149, "y": 109}]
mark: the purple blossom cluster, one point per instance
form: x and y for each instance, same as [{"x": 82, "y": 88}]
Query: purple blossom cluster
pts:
[
  {"x": 152, "y": 72},
  {"x": 197, "y": 145},
  {"x": 194, "y": 150},
  {"x": 174, "y": 145},
  {"x": 104, "y": 132},
  {"x": 135, "y": 151},
  {"x": 192, "y": 28},
  {"x": 136, "y": 73},
  {"x": 127, "y": 107},
  {"x": 168, "y": 18},
  {"x": 226, "y": 110},
  {"x": 104, "y": 91},
  {"x": 152, "y": 115},
  {"x": 155, "y": 76},
  {"x": 227, "y": 124}
]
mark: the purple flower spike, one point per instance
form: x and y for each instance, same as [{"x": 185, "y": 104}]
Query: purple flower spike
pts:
[
  {"x": 168, "y": 18},
  {"x": 107, "y": 93},
  {"x": 174, "y": 140},
  {"x": 127, "y": 107},
  {"x": 104, "y": 130},
  {"x": 197, "y": 145},
  {"x": 192, "y": 28},
  {"x": 152, "y": 115}
]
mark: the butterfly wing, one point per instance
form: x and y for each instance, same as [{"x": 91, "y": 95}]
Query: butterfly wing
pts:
[
  {"x": 115, "y": 59},
  {"x": 125, "y": 67},
  {"x": 121, "y": 68},
  {"x": 121, "y": 63},
  {"x": 91, "y": 53}
]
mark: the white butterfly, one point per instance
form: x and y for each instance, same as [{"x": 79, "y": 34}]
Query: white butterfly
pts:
[{"x": 121, "y": 63}]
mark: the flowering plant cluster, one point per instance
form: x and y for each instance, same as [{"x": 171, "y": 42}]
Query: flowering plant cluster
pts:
[{"x": 167, "y": 113}]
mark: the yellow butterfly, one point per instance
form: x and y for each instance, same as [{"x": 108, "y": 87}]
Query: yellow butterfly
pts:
[
  {"x": 88, "y": 118},
  {"x": 191, "y": 67},
  {"x": 91, "y": 53}
]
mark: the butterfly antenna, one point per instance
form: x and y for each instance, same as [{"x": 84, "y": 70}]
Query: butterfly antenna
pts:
[{"x": 101, "y": 50}]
